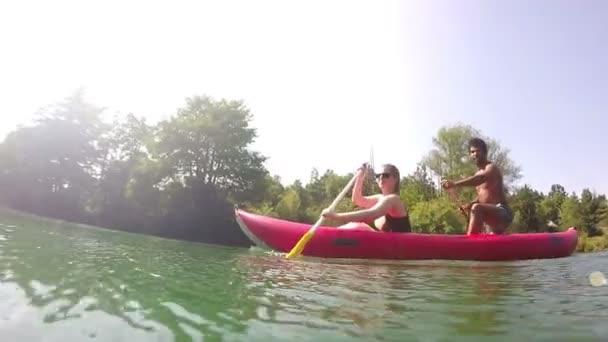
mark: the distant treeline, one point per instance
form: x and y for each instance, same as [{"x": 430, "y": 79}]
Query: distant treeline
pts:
[{"x": 180, "y": 178}]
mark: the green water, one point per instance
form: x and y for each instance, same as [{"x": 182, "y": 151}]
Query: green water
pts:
[{"x": 62, "y": 282}]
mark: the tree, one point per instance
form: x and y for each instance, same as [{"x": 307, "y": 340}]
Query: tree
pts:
[
  {"x": 571, "y": 212},
  {"x": 205, "y": 167},
  {"x": 51, "y": 167},
  {"x": 550, "y": 206},
  {"x": 289, "y": 205},
  {"x": 525, "y": 203},
  {"x": 127, "y": 139},
  {"x": 418, "y": 187},
  {"x": 266, "y": 192},
  {"x": 318, "y": 194},
  {"x": 208, "y": 140},
  {"x": 128, "y": 196},
  {"x": 448, "y": 159},
  {"x": 594, "y": 210}
]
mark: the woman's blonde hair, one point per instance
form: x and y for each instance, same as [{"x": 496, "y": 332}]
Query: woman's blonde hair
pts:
[{"x": 394, "y": 171}]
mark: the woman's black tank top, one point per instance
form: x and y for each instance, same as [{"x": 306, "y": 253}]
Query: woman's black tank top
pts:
[{"x": 397, "y": 224}]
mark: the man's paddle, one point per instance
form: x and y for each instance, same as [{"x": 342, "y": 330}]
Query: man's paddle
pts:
[
  {"x": 455, "y": 200},
  {"x": 299, "y": 247}
]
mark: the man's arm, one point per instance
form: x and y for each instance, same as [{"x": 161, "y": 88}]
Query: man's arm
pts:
[{"x": 479, "y": 178}]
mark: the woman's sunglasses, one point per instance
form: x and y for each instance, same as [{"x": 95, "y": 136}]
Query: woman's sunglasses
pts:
[{"x": 384, "y": 175}]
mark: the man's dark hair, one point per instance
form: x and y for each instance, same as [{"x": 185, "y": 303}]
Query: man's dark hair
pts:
[{"x": 480, "y": 144}]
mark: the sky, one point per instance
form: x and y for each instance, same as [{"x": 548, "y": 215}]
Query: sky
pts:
[{"x": 328, "y": 80}]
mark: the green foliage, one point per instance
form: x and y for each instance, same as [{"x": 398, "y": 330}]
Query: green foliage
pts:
[
  {"x": 604, "y": 222},
  {"x": 50, "y": 167},
  {"x": 127, "y": 139},
  {"x": 418, "y": 187},
  {"x": 591, "y": 244},
  {"x": 594, "y": 210},
  {"x": 289, "y": 205},
  {"x": 168, "y": 179},
  {"x": 180, "y": 178},
  {"x": 525, "y": 202},
  {"x": 571, "y": 212},
  {"x": 437, "y": 216},
  {"x": 551, "y": 205},
  {"x": 265, "y": 192},
  {"x": 207, "y": 140},
  {"x": 320, "y": 192}
]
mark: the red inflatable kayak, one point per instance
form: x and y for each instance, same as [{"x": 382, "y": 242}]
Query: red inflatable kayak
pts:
[{"x": 330, "y": 242}]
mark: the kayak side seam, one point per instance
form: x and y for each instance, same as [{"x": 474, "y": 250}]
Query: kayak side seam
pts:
[{"x": 248, "y": 232}]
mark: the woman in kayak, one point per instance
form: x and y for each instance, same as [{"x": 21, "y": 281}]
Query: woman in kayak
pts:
[{"x": 386, "y": 210}]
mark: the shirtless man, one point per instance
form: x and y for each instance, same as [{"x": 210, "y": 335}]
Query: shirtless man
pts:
[{"x": 491, "y": 206}]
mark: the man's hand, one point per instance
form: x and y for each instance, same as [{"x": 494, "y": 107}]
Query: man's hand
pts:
[
  {"x": 447, "y": 184},
  {"x": 465, "y": 208}
]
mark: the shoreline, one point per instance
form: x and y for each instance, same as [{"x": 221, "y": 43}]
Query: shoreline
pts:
[{"x": 585, "y": 244}]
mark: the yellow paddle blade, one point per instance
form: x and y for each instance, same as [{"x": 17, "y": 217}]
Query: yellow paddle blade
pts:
[{"x": 299, "y": 247}]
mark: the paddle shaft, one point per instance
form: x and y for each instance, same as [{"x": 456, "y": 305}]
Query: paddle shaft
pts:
[
  {"x": 336, "y": 201},
  {"x": 455, "y": 200},
  {"x": 299, "y": 247}
]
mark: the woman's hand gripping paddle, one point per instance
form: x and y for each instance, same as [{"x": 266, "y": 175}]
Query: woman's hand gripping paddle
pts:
[{"x": 299, "y": 247}]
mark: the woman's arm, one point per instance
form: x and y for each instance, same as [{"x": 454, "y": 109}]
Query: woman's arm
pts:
[
  {"x": 357, "y": 197},
  {"x": 381, "y": 207}
]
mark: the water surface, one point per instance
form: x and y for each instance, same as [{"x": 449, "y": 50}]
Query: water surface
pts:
[{"x": 63, "y": 282}]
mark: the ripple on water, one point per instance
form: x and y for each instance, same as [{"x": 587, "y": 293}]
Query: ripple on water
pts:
[
  {"x": 68, "y": 292},
  {"x": 192, "y": 332},
  {"x": 476, "y": 299},
  {"x": 40, "y": 289},
  {"x": 108, "y": 287},
  {"x": 181, "y": 312}
]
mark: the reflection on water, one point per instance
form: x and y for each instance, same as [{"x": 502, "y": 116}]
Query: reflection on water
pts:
[
  {"x": 536, "y": 299},
  {"x": 371, "y": 299},
  {"x": 64, "y": 283}
]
